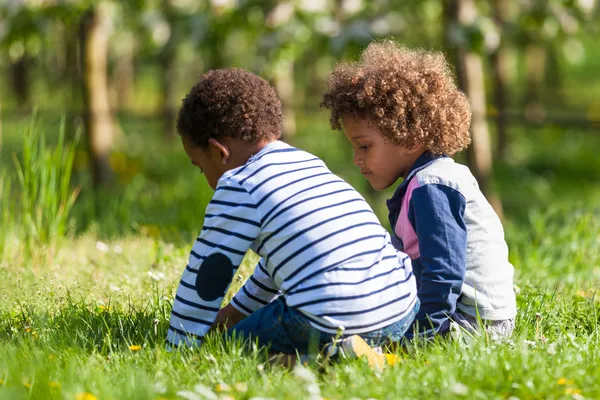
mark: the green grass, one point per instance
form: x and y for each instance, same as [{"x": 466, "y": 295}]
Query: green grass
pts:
[{"x": 70, "y": 323}]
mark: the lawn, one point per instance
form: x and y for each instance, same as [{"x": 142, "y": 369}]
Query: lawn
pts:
[{"x": 83, "y": 315}]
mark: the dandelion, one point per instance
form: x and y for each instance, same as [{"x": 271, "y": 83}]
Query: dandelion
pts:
[
  {"x": 27, "y": 384},
  {"x": 572, "y": 391},
  {"x": 222, "y": 387},
  {"x": 54, "y": 385},
  {"x": 391, "y": 359},
  {"x": 28, "y": 329},
  {"x": 85, "y": 396},
  {"x": 135, "y": 347},
  {"x": 562, "y": 381}
]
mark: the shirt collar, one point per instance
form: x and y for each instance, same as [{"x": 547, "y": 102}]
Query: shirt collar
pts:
[{"x": 422, "y": 162}]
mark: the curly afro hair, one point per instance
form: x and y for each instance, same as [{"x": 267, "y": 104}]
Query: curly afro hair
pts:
[
  {"x": 409, "y": 94},
  {"x": 230, "y": 102}
]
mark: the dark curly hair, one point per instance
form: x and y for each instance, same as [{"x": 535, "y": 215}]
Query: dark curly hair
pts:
[
  {"x": 409, "y": 94},
  {"x": 230, "y": 102}
]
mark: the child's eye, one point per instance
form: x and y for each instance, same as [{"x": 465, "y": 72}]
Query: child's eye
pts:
[{"x": 364, "y": 147}]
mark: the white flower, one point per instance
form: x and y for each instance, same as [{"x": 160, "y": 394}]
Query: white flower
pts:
[
  {"x": 304, "y": 374},
  {"x": 205, "y": 392},
  {"x": 459, "y": 389},
  {"x": 103, "y": 247},
  {"x": 157, "y": 276},
  {"x": 114, "y": 287}
]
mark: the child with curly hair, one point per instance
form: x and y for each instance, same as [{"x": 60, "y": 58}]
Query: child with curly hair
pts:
[
  {"x": 405, "y": 118},
  {"x": 327, "y": 263}
]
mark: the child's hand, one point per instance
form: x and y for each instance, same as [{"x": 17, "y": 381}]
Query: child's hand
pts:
[{"x": 227, "y": 317}]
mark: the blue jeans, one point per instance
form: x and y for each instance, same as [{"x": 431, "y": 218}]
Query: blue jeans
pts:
[{"x": 286, "y": 330}]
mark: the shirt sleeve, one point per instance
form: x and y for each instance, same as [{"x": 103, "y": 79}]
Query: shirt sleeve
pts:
[
  {"x": 258, "y": 290},
  {"x": 231, "y": 224},
  {"x": 436, "y": 213}
]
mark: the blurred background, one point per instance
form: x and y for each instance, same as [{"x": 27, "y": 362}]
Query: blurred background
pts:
[{"x": 107, "y": 78}]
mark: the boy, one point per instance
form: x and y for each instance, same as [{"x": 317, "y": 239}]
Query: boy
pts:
[
  {"x": 322, "y": 247},
  {"x": 405, "y": 117}
]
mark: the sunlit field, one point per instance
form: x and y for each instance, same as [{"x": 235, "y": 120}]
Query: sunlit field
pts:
[{"x": 84, "y": 307}]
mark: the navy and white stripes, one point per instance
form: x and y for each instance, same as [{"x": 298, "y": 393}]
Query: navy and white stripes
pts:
[{"x": 321, "y": 245}]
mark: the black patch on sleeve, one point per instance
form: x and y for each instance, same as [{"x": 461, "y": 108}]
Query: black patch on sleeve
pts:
[{"x": 214, "y": 275}]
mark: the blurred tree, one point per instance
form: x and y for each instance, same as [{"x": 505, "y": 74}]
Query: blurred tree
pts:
[
  {"x": 97, "y": 115},
  {"x": 167, "y": 59},
  {"x": 500, "y": 60},
  {"x": 466, "y": 38},
  {"x": 548, "y": 32}
]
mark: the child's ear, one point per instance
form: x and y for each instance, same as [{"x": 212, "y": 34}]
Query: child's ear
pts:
[
  {"x": 221, "y": 149},
  {"x": 415, "y": 148}
]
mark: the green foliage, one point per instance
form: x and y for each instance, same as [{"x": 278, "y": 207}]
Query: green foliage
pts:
[
  {"x": 93, "y": 319},
  {"x": 5, "y": 213},
  {"x": 44, "y": 176}
]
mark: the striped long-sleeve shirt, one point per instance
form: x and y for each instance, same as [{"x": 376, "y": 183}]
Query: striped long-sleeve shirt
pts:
[{"x": 322, "y": 247}]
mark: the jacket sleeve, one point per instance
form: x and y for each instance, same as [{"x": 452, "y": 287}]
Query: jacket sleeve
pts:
[
  {"x": 436, "y": 213},
  {"x": 231, "y": 224},
  {"x": 258, "y": 290}
]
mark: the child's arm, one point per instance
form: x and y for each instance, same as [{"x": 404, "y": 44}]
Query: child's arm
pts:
[
  {"x": 258, "y": 290},
  {"x": 436, "y": 213},
  {"x": 231, "y": 224}
]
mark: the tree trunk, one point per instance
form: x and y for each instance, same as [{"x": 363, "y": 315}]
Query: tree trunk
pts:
[
  {"x": 97, "y": 114},
  {"x": 19, "y": 71},
  {"x": 168, "y": 73},
  {"x": 0, "y": 124},
  {"x": 469, "y": 68},
  {"x": 124, "y": 74},
  {"x": 284, "y": 85},
  {"x": 535, "y": 66},
  {"x": 501, "y": 72}
]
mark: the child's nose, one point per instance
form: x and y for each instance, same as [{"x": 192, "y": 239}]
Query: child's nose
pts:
[{"x": 357, "y": 160}]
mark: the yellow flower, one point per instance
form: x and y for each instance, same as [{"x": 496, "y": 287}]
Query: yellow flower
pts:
[
  {"x": 222, "y": 387},
  {"x": 392, "y": 359},
  {"x": 1, "y": 381},
  {"x": 562, "y": 381},
  {"x": 103, "y": 308},
  {"x": 135, "y": 347},
  {"x": 51, "y": 357},
  {"x": 572, "y": 391},
  {"x": 241, "y": 387},
  {"x": 54, "y": 385},
  {"x": 27, "y": 329},
  {"x": 85, "y": 396}
]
